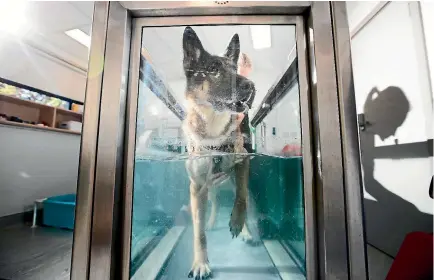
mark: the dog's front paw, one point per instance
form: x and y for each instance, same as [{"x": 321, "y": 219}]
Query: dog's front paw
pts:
[
  {"x": 238, "y": 218},
  {"x": 246, "y": 236},
  {"x": 200, "y": 270}
]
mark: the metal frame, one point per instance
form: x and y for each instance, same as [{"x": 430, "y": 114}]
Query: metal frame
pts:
[
  {"x": 326, "y": 130},
  {"x": 199, "y": 20},
  {"x": 86, "y": 170},
  {"x": 210, "y": 8},
  {"x": 350, "y": 143},
  {"x": 110, "y": 151},
  {"x": 213, "y": 20},
  {"x": 307, "y": 150},
  {"x": 335, "y": 246},
  {"x": 133, "y": 93}
]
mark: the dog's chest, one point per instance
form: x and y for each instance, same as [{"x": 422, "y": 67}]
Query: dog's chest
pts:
[
  {"x": 211, "y": 169},
  {"x": 206, "y": 129},
  {"x": 211, "y": 132},
  {"x": 215, "y": 123}
]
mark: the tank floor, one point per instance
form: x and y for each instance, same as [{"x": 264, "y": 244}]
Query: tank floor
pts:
[{"x": 229, "y": 258}]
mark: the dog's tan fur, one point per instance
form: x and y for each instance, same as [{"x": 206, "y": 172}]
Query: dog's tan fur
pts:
[{"x": 202, "y": 119}]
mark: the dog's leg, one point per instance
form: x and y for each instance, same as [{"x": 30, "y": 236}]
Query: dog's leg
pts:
[
  {"x": 198, "y": 201},
  {"x": 238, "y": 215},
  {"x": 212, "y": 197},
  {"x": 245, "y": 233}
]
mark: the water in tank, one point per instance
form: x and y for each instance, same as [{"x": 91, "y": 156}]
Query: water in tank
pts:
[{"x": 215, "y": 194}]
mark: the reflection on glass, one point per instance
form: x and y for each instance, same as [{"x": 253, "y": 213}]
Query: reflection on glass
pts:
[{"x": 213, "y": 194}]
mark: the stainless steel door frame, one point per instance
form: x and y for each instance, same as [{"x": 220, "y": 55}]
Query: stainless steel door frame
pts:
[
  {"x": 107, "y": 205},
  {"x": 350, "y": 142},
  {"x": 332, "y": 186},
  {"x": 338, "y": 170},
  {"x": 86, "y": 174},
  {"x": 99, "y": 196},
  {"x": 138, "y": 25}
]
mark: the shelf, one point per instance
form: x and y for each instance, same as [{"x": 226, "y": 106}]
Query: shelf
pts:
[
  {"x": 46, "y": 128},
  {"x": 39, "y": 113},
  {"x": 23, "y": 102},
  {"x": 69, "y": 113}
]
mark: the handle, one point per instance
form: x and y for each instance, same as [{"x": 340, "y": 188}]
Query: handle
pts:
[
  {"x": 431, "y": 188},
  {"x": 363, "y": 123}
]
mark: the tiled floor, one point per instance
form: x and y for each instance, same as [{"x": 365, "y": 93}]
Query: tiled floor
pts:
[{"x": 35, "y": 254}]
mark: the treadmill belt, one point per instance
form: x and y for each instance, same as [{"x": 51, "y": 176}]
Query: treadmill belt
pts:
[{"x": 229, "y": 258}]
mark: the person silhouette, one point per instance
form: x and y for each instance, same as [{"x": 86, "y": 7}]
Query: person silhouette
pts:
[{"x": 389, "y": 217}]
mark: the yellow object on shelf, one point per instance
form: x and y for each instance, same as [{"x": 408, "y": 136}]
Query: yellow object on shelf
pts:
[{"x": 77, "y": 108}]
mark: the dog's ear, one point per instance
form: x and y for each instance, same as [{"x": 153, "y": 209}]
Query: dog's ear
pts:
[
  {"x": 233, "y": 50},
  {"x": 192, "y": 46}
]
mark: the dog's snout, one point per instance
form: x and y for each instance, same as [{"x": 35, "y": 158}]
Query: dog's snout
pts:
[
  {"x": 245, "y": 91},
  {"x": 188, "y": 31},
  {"x": 246, "y": 86}
]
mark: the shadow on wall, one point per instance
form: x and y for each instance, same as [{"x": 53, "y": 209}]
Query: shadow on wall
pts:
[{"x": 390, "y": 217}]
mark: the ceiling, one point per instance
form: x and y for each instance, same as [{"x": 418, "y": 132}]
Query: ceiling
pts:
[
  {"x": 47, "y": 21},
  {"x": 164, "y": 44}
]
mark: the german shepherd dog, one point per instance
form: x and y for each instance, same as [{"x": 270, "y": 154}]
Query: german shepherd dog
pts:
[{"x": 216, "y": 121}]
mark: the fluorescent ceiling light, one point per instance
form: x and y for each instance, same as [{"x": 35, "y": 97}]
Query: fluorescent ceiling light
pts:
[
  {"x": 261, "y": 36},
  {"x": 79, "y": 36},
  {"x": 13, "y": 16},
  {"x": 154, "y": 110}
]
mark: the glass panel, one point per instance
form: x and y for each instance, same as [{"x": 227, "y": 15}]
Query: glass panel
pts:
[
  {"x": 210, "y": 195},
  {"x": 279, "y": 135}
]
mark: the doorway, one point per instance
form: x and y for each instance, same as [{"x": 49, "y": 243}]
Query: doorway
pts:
[{"x": 179, "y": 79}]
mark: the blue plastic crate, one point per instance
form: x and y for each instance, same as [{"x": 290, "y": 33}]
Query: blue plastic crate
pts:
[{"x": 59, "y": 211}]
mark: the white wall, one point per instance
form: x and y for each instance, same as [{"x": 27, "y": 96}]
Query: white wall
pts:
[
  {"x": 285, "y": 118},
  {"x": 427, "y": 10},
  {"x": 35, "y": 164},
  {"x": 388, "y": 51},
  {"x": 23, "y": 64},
  {"x": 385, "y": 54},
  {"x": 360, "y": 12}
]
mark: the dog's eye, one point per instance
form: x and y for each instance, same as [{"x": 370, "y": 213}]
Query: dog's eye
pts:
[{"x": 213, "y": 68}]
